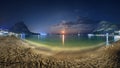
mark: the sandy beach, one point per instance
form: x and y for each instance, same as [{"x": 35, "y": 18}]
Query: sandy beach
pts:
[{"x": 17, "y": 53}]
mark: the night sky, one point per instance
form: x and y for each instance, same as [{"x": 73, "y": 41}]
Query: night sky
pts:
[{"x": 39, "y": 15}]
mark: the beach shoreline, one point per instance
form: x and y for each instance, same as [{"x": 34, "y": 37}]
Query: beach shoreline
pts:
[{"x": 16, "y": 53}]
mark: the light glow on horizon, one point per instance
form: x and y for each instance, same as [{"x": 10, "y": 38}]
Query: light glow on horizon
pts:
[{"x": 63, "y": 32}]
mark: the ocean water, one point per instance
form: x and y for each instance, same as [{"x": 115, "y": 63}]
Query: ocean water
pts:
[{"x": 68, "y": 40}]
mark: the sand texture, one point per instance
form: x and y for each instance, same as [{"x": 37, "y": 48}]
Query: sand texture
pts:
[{"x": 16, "y": 53}]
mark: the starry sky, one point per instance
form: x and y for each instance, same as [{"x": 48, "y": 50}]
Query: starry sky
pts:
[{"x": 39, "y": 15}]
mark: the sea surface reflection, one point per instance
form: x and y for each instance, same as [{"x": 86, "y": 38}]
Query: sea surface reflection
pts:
[{"x": 67, "y": 40}]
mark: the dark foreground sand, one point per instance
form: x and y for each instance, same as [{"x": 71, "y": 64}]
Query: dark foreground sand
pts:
[{"x": 15, "y": 53}]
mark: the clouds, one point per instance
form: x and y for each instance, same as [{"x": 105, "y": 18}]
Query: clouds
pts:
[{"x": 42, "y": 13}]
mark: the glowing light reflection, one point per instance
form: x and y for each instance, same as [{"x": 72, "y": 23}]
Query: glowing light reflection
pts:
[{"x": 63, "y": 39}]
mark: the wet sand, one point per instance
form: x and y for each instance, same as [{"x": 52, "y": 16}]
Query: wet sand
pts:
[{"x": 16, "y": 53}]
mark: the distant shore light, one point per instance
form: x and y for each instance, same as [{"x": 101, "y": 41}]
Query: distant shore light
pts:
[{"x": 43, "y": 33}]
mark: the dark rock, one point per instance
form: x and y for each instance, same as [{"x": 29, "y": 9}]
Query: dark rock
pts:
[{"x": 20, "y": 27}]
